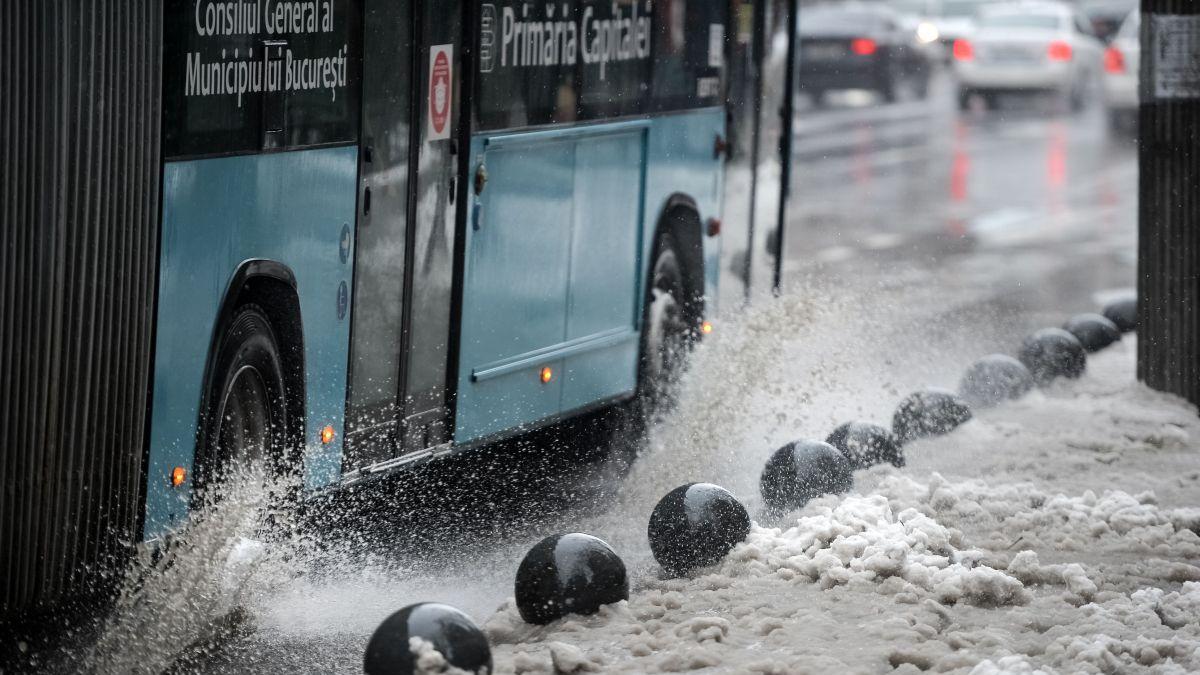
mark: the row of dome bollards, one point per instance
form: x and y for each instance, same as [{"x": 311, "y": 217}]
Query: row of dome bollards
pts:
[{"x": 697, "y": 524}]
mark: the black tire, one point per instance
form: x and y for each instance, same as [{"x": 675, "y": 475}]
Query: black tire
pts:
[
  {"x": 1077, "y": 99},
  {"x": 923, "y": 85},
  {"x": 964, "y": 99},
  {"x": 670, "y": 325},
  {"x": 888, "y": 89},
  {"x": 246, "y": 417}
]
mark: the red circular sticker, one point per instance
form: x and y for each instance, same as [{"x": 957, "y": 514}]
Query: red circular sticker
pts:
[{"x": 439, "y": 93}]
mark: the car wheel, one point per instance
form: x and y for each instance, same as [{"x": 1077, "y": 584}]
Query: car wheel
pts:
[
  {"x": 668, "y": 331},
  {"x": 1077, "y": 98},
  {"x": 923, "y": 86},
  {"x": 964, "y": 99},
  {"x": 888, "y": 90}
]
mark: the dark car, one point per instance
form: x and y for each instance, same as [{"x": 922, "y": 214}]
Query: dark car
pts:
[{"x": 859, "y": 46}]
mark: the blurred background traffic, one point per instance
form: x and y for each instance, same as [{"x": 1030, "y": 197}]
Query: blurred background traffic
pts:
[{"x": 985, "y": 142}]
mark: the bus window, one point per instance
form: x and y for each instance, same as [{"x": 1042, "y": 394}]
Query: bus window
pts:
[
  {"x": 615, "y": 78},
  {"x": 688, "y": 48},
  {"x": 527, "y": 64},
  {"x": 587, "y": 60},
  {"x": 234, "y": 69}
]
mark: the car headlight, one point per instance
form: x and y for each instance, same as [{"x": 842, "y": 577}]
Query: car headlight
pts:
[{"x": 926, "y": 32}]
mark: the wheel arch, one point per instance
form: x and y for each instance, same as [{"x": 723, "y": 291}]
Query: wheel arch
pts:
[{"x": 271, "y": 285}]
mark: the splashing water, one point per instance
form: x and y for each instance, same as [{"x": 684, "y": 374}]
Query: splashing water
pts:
[{"x": 790, "y": 368}]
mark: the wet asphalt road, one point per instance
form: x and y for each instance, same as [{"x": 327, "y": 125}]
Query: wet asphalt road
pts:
[
  {"x": 920, "y": 185},
  {"x": 1024, "y": 213}
]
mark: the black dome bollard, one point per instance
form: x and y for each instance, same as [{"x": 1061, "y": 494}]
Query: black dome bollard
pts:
[
  {"x": 569, "y": 574},
  {"x": 931, "y": 412},
  {"x": 1093, "y": 331},
  {"x": 452, "y": 633},
  {"x": 865, "y": 444},
  {"x": 1051, "y": 353},
  {"x": 1123, "y": 312},
  {"x": 802, "y": 470},
  {"x": 994, "y": 379},
  {"x": 695, "y": 525}
]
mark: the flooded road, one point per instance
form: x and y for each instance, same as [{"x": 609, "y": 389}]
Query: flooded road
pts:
[{"x": 920, "y": 239}]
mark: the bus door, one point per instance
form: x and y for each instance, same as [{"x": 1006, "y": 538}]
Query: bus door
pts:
[{"x": 403, "y": 269}]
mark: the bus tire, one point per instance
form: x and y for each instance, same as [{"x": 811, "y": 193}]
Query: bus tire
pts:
[
  {"x": 669, "y": 327},
  {"x": 246, "y": 420},
  {"x": 669, "y": 330}
]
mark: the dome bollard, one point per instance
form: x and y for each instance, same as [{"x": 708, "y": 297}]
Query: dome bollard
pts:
[
  {"x": 1051, "y": 353},
  {"x": 865, "y": 444},
  {"x": 696, "y": 525},
  {"x": 1123, "y": 312},
  {"x": 427, "y": 636},
  {"x": 1093, "y": 331},
  {"x": 801, "y": 471},
  {"x": 931, "y": 412},
  {"x": 994, "y": 379},
  {"x": 571, "y": 573}
]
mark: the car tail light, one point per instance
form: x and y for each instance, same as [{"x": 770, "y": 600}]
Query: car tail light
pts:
[
  {"x": 964, "y": 50},
  {"x": 1114, "y": 60},
  {"x": 863, "y": 46},
  {"x": 1059, "y": 51}
]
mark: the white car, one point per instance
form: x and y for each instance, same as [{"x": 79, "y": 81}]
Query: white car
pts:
[
  {"x": 1122, "y": 61},
  {"x": 955, "y": 19},
  {"x": 1028, "y": 47}
]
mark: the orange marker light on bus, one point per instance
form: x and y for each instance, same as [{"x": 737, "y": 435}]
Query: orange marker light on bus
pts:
[
  {"x": 547, "y": 374},
  {"x": 327, "y": 434},
  {"x": 178, "y": 475},
  {"x": 706, "y": 327}
]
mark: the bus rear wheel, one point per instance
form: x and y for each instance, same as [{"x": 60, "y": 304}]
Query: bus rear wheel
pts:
[
  {"x": 669, "y": 331},
  {"x": 246, "y": 423}
]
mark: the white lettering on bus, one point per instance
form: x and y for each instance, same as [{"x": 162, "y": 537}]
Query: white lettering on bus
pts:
[
  {"x": 250, "y": 17},
  {"x": 552, "y": 42},
  {"x": 238, "y": 76},
  {"x": 235, "y": 17}
]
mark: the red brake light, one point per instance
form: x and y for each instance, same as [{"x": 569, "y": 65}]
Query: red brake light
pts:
[
  {"x": 1114, "y": 60},
  {"x": 863, "y": 46},
  {"x": 964, "y": 50},
  {"x": 1059, "y": 51}
]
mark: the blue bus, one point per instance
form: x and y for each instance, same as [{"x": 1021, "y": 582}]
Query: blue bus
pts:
[{"x": 339, "y": 237}]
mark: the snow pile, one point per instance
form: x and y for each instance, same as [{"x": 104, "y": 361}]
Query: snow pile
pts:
[
  {"x": 1150, "y": 628},
  {"x": 1059, "y": 534},
  {"x": 1006, "y": 516},
  {"x": 429, "y": 661},
  {"x": 751, "y": 600},
  {"x": 862, "y": 540}
]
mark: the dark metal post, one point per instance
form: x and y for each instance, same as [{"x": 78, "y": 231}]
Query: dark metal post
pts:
[
  {"x": 1169, "y": 198},
  {"x": 759, "y": 52},
  {"x": 785, "y": 141}
]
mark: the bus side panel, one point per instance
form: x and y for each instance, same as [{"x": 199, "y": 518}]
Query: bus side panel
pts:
[
  {"x": 291, "y": 207},
  {"x": 680, "y": 160},
  {"x": 514, "y": 304},
  {"x": 615, "y": 182},
  {"x": 605, "y": 258}
]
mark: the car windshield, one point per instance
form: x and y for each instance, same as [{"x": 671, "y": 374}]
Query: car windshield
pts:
[
  {"x": 1129, "y": 29},
  {"x": 1006, "y": 20},
  {"x": 960, "y": 9},
  {"x": 838, "y": 21},
  {"x": 919, "y": 7}
]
